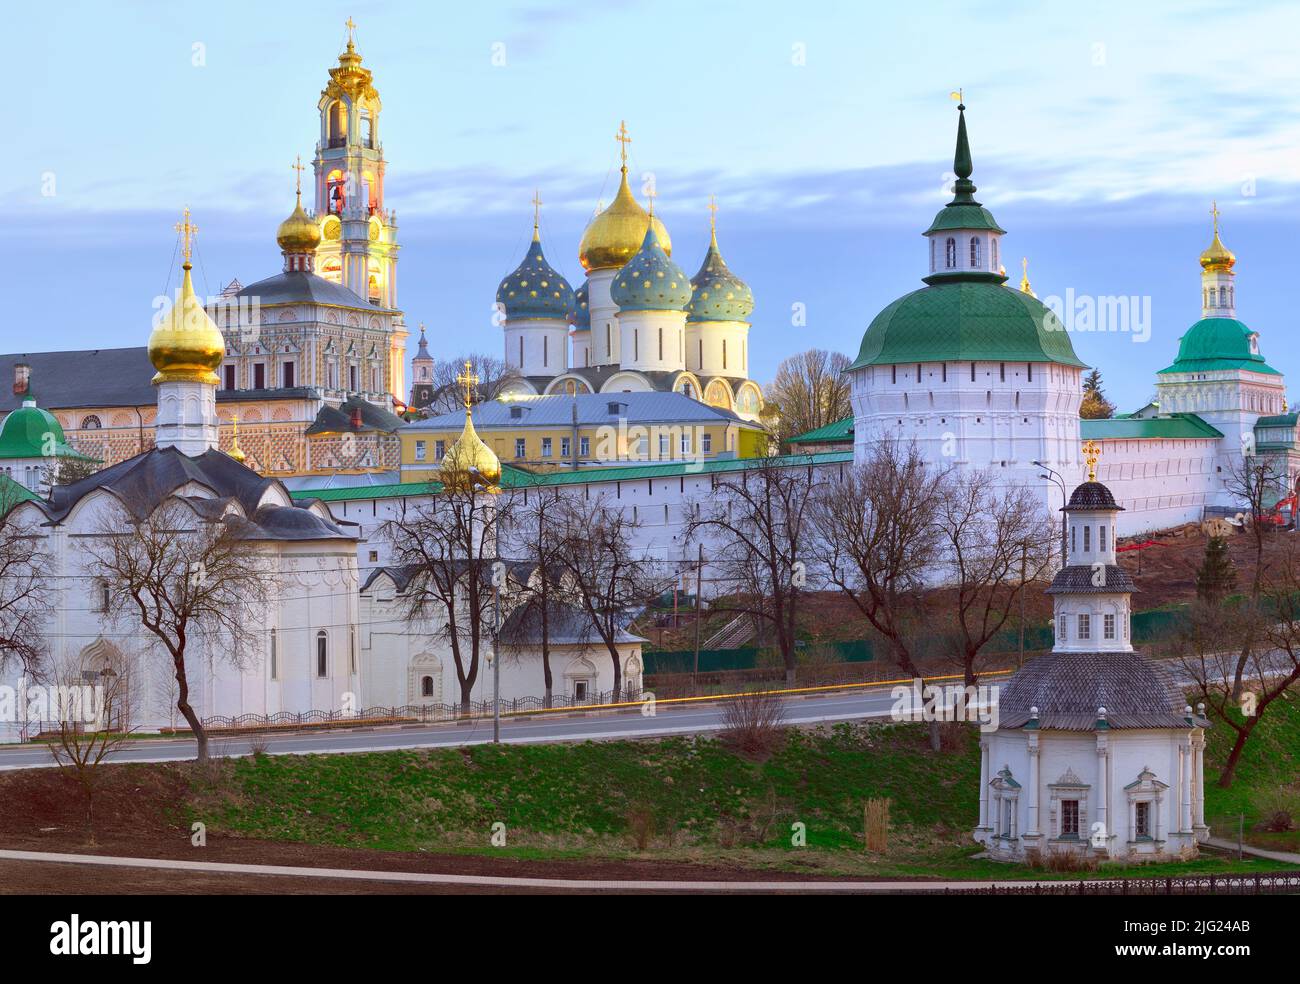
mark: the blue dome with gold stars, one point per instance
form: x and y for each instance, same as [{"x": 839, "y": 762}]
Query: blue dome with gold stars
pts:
[
  {"x": 580, "y": 313},
  {"x": 719, "y": 294},
  {"x": 534, "y": 289},
  {"x": 651, "y": 281}
]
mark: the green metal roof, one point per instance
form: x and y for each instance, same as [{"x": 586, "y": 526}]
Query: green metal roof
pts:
[
  {"x": 12, "y": 493},
  {"x": 30, "y": 432},
  {"x": 1280, "y": 420},
  {"x": 963, "y": 215},
  {"x": 969, "y": 320},
  {"x": 1215, "y": 344},
  {"x": 1174, "y": 425},
  {"x": 518, "y": 478},
  {"x": 840, "y": 430}
]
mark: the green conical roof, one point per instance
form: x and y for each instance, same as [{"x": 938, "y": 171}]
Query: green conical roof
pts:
[{"x": 963, "y": 212}]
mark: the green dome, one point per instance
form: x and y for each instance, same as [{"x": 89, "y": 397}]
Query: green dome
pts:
[
  {"x": 30, "y": 432},
  {"x": 970, "y": 321},
  {"x": 651, "y": 281},
  {"x": 1219, "y": 343},
  {"x": 718, "y": 294}
]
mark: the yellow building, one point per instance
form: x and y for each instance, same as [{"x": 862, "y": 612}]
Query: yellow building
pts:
[{"x": 586, "y": 431}]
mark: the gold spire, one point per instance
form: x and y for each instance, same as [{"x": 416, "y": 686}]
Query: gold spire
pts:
[
  {"x": 348, "y": 77},
  {"x": 1024, "y": 277},
  {"x": 537, "y": 215},
  {"x": 1091, "y": 452},
  {"x": 615, "y": 234},
  {"x": 235, "y": 451},
  {"x": 470, "y": 464},
  {"x": 1217, "y": 258},
  {"x": 186, "y": 346},
  {"x": 713, "y": 221}
]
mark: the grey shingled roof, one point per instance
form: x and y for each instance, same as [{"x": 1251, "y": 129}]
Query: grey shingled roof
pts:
[
  {"x": 338, "y": 420},
  {"x": 142, "y": 483},
  {"x": 593, "y": 410},
  {"x": 1092, "y": 496},
  {"x": 1078, "y": 579},
  {"x": 119, "y": 377},
  {"x": 1067, "y": 689},
  {"x": 566, "y": 626},
  {"x": 297, "y": 287}
]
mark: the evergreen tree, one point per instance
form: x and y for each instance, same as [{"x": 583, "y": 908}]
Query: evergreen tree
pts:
[
  {"x": 1216, "y": 577},
  {"x": 1095, "y": 406}
]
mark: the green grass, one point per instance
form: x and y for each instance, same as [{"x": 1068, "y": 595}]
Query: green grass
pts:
[{"x": 704, "y": 802}]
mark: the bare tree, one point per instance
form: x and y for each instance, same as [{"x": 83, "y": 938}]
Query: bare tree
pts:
[
  {"x": 875, "y": 540},
  {"x": 609, "y": 579},
  {"x": 494, "y": 374},
  {"x": 448, "y": 546},
  {"x": 25, "y": 589},
  {"x": 89, "y": 732},
  {"x": 1252, "y": 481},
  {"x": 536, "y": 537},
  {"x": 993, "y": 540},
  {"x": 195, "y": 584},
  {"x": 1210, "y": 650},
  {"x": 761, "y": 523},
  {"x": 810, "y": 390}
]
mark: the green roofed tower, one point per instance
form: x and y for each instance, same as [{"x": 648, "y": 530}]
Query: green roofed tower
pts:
[{"x": 977, "y": 373}]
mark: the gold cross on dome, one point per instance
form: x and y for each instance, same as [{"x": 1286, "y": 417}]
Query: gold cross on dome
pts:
[
  {"x": 537, "y": 207},
  {"x": 469, "y": 380},
  {"x": 299, "y": 168},
  {"x": 187, "y": 229},
  {"x": 352, "y": 27},
  {"x": 1214, "y": 211},
  {"x": 713, "y": 214},
  {"x": 623, "y": 139},
  {"x": 1091, "y": 452}
]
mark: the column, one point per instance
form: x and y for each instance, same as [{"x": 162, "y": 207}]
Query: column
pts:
[
  {"x": 1198, "y": 780},
  {"x": 1185, "y": 784},
  {"x": 1103, "y": 787},
  {"x": 1033, "y": 787},
  {"x": 984, "y": 785}
]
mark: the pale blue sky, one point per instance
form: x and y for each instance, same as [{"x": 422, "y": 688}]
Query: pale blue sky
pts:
[{"x": 1100, "y": 134}]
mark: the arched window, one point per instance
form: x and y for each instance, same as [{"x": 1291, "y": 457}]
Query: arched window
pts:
[
  {"x": 426, "y": 686},
  {"x": 951, "y": 253},
  {"x": 993, "y": 244},
  {"x": 91, "y": 422},
  {"x": 974, "y": 251},
  {"x": 1223, "y": 297},
  {"x": 338, "y": 124},
  {"x": 322, "y": 654}
]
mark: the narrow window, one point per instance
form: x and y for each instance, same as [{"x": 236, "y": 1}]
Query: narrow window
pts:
[
  {"x": 918, "y": 372},
  {"x": 584, "y": 447},
  {"x": 1069, "y": 818},
  {"x": 564, "y": 447},
  {"x": 1074, "y": 539},
  {"x": 1029, "y": 371},
  {"x": 546, "y": 447},
  {"x": 1002, "y": 372},
  {"x": 893, "y": 374},
  {"x": 419, "y": 450},
  {"x": 609, "y": 343},
  {"x": 724, "y": 353},
  {"x": 322, "y": 654},
  {"x": 275, "y": 658},
  {"x": 289, "y": 378},
  {"x": 974, "y": 252},
  {"x": 945, "y": 372},
  {"x": 1087, "y": 538},
  {"x": 706, "y": 443},
  {"x": 1108, "y": 626},
  {"x": 951, "y": 253},
  {"x": 352, "y": 649},
  {"x": 426, "y": 686},
  {"x": 661, "y": 347},
  {"x": 1142, "y": 818},
  {"x": 259, "y": 376},
  {"x": 230, "y": 377},
  {"x": 1101, "y": 537},
  {"x": 1062, "y": 626},
  {"x": 520, "y": 447},
  {"x": 439, "y": 450},
  {"x": 546, "y": 350},
  {"x": 1085, "y": 627},
  {"x": 972, "y": 372}
]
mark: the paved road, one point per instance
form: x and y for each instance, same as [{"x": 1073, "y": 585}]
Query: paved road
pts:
[{"x": 562, "y": 726}]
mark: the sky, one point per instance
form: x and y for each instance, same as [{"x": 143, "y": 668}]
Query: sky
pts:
[{"x": 1100, "y": 135}]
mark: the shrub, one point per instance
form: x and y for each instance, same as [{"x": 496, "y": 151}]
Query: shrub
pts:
[{"x": 752, "y": 724}]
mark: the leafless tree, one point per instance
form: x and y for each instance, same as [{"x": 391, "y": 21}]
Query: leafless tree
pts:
[
  {"x": 536, "y": 538},
  {"x": 993, "y": 540},
  {"x": 609, "y": 579},
  {"x": 810, "y": 390},
  {"x": 760, "y": 520},
  {"x": 1253, "y": 481},
  {"x": 449, "y": 394},
  {"x": 94, "y": 729},
  {"x": 1211, "y": 649},
  {"x": 25, "y": 589},
  {"x": 448, "y": 546},
  {"x": 197, "y": 585},
  {"x": 876, "y": 541}
]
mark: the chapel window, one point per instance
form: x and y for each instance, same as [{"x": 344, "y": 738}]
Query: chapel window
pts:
[
  {"x": 974, "y": 251},
  {"x": 951, "y": 256},
  {"x": 1070, "y": 818},
  {"x": 322, "y": 654}
]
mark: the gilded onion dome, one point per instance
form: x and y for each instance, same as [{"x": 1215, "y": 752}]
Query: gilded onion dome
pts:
[
  {"x": 186, "y": 346},
  {"x": 580, "y": 313},
  {"x": 534, "y": 289},
  {"x": 298, "y": 233},
  {"x": 613, "y": 236},
  {"x": 470, "y": 465},
  {"x": 1217, "y": 258},
  {"x": 719, "y": 294},
  {"x": 651, "y": 281}
]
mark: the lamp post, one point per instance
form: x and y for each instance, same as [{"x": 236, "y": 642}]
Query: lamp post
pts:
[{"x": 1053, "y": 475}]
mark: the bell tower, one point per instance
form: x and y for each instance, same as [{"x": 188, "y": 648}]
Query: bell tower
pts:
[{"x": 358, "y": 234}]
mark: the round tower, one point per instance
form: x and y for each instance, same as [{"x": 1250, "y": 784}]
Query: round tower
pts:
[{"x": 1218, "y": 295}]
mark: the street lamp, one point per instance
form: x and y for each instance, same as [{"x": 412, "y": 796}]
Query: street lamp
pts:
[{"x": 1052, "y": 475}]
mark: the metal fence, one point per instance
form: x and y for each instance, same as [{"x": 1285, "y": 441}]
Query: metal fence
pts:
[
  {"x": 418, "y": 713},
  {"x": 1264, "y": 883}
]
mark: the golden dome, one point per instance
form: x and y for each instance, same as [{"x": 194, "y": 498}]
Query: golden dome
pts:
[
  {"x": 1218, "y": 258},
  {"x": 614, "y": 236},
  {"x": 186, "y": 346},
  {"x": 469, "y": 459},
  {"x": 298, "y": 233},
  {"x": 235, "y": 451}
]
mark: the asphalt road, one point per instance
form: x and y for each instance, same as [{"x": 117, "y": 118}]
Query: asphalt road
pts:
[{"x": 558, "y": 726}]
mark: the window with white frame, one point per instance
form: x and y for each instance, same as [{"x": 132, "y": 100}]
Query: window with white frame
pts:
[
  {"x": 1085, "y": 626},
  {"x": 1062, "y": 627},
  {"x": 1108, "y": 626}
]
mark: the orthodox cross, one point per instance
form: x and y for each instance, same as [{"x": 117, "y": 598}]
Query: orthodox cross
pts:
[
  {"x": 352, "y": 27},
  {"x": 623, "y": 139},
  {"x": 1214, "y": 211},
  {"x": 713, "y": 214},
  {"x": 537, "y": 207},
  {"x": 468, "y": 380},
  {"x": 1091, "y": 452},
  {"x": 298, "y": 178},
  {"x": 187, "y": 229}
]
